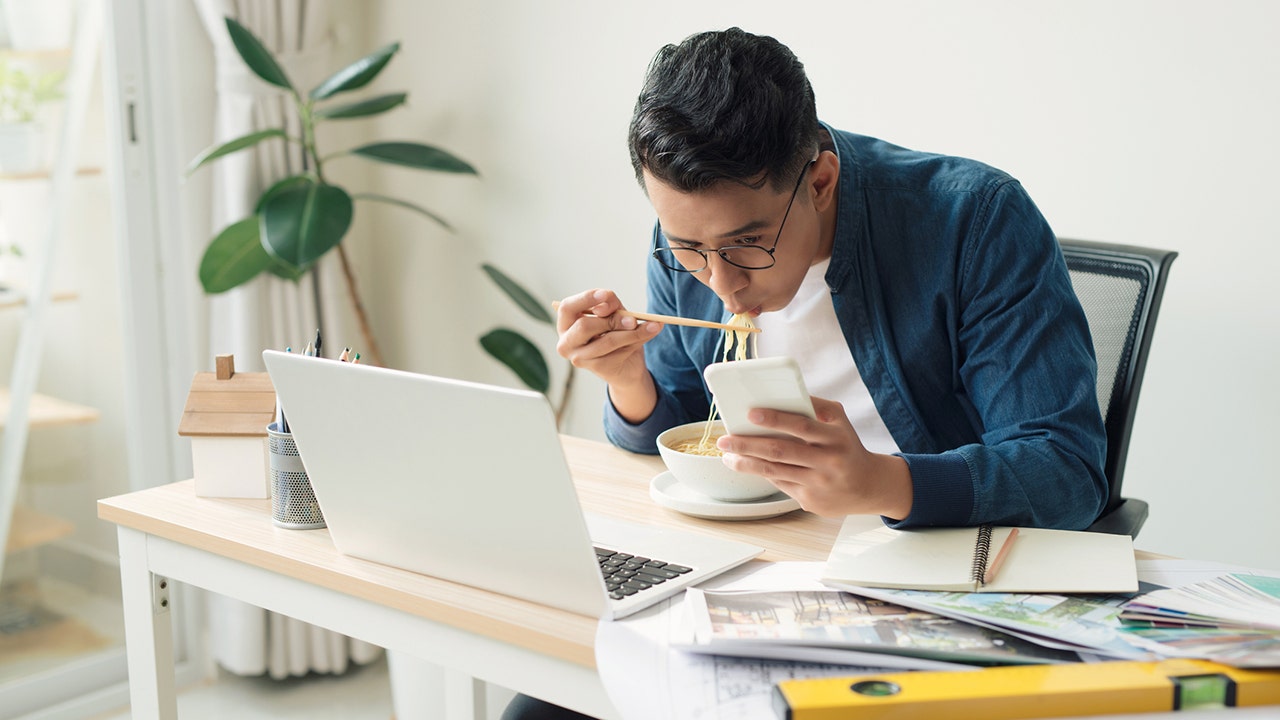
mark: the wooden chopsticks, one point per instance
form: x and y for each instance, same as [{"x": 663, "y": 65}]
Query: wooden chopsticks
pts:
[{"x": 674, "y": 320}]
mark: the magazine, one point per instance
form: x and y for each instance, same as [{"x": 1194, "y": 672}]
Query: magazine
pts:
[
  {"x": 1081, "y": 623},
  {"x": 810, "y": 625}
]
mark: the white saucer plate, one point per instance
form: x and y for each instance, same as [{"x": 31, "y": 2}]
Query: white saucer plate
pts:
[{"x": 669, "y": 493}]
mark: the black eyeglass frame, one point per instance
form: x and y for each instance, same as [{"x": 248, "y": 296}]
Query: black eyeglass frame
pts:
[{"x": 659, "y": 252}]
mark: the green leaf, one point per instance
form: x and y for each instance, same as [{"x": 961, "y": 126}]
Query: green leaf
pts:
[
  {"x": 361, "y": 108},
  {"x": 302, "y": 222},
  {"x": 514, "y": 290},
  {"x": 404, "y": 204},
  {"x": 245, "y": 141},
  {"x": 257, "y": 56},
  {"x": 414, "y": 155},
  {"x": 279, "y": 186},
  {"x": 283, "y": 270},
  {"x": 234, "y": 257},
  {"x": 357, "y": 74},
  {"x": 518, "y": 353}
]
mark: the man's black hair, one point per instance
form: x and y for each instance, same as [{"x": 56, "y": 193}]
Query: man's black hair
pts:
[{"x": 724, "y": 106}]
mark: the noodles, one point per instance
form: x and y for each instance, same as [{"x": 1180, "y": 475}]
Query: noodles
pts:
[
  {"x": 699, "y": 447},
  {"x": 735, "y": 343}
]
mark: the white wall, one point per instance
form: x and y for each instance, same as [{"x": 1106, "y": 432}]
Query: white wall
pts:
[{"x": 1150, "y": 123}]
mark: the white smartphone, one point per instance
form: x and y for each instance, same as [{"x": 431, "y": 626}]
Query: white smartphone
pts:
[{"x": 740, "y": 385}]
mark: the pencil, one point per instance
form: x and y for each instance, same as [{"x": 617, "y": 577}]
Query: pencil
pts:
[
  {"x": 674, "y": 320},
  {"x": 994, "y": 567}
]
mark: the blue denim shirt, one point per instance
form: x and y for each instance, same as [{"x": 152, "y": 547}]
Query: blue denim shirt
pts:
[{"x": 955, "y": 301}]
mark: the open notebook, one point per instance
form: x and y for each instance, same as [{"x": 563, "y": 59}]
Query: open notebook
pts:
[{"x": 956, "y": 560}]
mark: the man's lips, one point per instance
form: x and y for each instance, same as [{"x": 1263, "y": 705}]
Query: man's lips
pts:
[{"x": 742, "y": 309}]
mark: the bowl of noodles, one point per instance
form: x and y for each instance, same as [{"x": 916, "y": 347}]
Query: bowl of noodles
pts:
[{"x": 699, "y": 465}]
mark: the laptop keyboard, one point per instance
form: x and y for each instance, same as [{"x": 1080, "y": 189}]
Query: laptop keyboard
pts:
[{"x": 626, "y": 575}]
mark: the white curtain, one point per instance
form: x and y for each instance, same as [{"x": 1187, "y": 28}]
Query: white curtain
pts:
[{"x": 268, "y": 312}]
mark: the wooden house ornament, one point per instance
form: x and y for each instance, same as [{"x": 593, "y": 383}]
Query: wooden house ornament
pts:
[{"x": 226, "y": 417}]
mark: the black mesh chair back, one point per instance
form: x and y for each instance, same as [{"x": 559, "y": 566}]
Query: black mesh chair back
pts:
[{"x": 1120, "y": 287}]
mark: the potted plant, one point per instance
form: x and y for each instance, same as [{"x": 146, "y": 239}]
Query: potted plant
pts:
[
  {"x": 301, "y": 217},
  {"x": 22, "y": 92}
]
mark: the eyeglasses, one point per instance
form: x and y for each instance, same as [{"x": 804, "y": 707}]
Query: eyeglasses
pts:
[{"x": 747, "y": 257}]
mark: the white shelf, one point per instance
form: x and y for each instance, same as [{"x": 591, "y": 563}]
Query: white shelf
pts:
[
  {"x": 48, "y": 411},
  {"x": 21, "y": 528}
]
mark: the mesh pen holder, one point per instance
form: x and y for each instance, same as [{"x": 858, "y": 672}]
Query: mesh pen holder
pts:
[{"x": 293, "y": 503}]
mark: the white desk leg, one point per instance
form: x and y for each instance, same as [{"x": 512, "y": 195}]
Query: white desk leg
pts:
[
  {"x": 417, "y": 687},
  {"x": 422, "y": 690},
  {"x": 148, "y": 632},
  {"x": 463, "y": 696}
]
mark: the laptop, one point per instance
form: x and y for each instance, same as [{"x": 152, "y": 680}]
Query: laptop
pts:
[{"x": 468, "y": 482}]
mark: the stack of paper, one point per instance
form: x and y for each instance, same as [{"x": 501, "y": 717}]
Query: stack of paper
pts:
[
  {"x": 1232, "y": 619},
  {"x": 1237, "y": 600}
]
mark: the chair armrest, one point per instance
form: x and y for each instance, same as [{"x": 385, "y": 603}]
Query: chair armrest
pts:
[{"x": 1126, "y": 519}]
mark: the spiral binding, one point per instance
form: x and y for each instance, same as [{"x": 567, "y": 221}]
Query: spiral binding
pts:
[{"x": 981, "y": 552}]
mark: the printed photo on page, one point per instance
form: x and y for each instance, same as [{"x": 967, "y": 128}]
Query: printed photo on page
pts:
[{"x": 799, "y": 625}]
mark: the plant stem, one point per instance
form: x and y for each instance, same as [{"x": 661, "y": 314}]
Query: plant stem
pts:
[
  {"x": 564, "y": 398},
  {"x": 375, "y": 356},
  {"x": 309, "y": 147},
  {"x": 309, "y": 135}
]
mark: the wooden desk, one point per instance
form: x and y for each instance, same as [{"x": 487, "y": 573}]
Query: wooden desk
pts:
[{"x": 230, "y": 547}]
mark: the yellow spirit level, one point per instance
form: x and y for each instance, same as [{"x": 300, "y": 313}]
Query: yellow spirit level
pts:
[{"x": 1028, "y": 691}]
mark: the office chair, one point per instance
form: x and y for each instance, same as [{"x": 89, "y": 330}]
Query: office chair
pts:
[{"x": 1120, "y": 287}]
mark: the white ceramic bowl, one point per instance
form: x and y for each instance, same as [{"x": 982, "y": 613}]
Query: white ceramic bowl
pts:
[{"x": 707, "y": 474}]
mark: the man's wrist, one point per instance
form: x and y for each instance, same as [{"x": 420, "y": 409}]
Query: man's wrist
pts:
[
  {"x": 634, "y": 401},
  {"x": 899, "y": 492}
]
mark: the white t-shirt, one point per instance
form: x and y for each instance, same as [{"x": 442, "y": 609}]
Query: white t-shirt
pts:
[{"x": 807, "y": 330}]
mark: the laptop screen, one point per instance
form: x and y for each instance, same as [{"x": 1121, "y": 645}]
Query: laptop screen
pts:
[{"x": 453, "y": 479}]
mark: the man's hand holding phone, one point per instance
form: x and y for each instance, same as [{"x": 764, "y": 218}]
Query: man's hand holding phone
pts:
[
  {"x": 805, "y": 446},
  {"x": 773, "y": 383}
]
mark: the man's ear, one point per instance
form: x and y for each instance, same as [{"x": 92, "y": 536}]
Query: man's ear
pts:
[{"x": 823, "y": 179}]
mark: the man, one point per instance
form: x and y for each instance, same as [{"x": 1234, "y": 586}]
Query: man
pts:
[
  {"x": 924, "y": 297},
  {"x": 924, "y": 293}
]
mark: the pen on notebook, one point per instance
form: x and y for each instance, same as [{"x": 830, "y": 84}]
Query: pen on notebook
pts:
[{"x": 994, "y": 567}]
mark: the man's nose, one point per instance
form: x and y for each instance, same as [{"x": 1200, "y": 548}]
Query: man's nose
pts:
[{"x": 723, "y": 277}]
